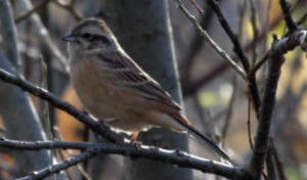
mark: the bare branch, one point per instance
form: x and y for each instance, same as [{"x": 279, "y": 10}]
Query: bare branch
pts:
[
  {"x": 287, "y": 43},
  {"x": 195, "y": 4},
  {"x": 279, "y": 165},
  {"x": 44, "y": 34},
  {"x": 98, "y": 127},
  {"x": 70, "y": 8},
  {"x": 30, "y": 12},
  {"x": 302, "y": 19},
  {"x": 61, "y": 166},
  {"x": 175, "y": 157},
  {"x": 237, "y": 47},
  {"x": 219, "y": 50},
  {"x": 287, "y": 13},
  {"x": 251, "y": 79},
  {"x": 8, "y": 34},
  {"x": 230, "y": 108},
  {"x": 195, "y": 86},
  {"x": 266, "y": 111},
  {"x": 249, "y": 131},
  {"x": 255, "y": 30},
  {"x": 95, "y": 126},
  {"x": 39, "y": 145}
]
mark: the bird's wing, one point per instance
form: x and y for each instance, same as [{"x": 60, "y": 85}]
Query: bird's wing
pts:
[{"x": 131, "y": 76}]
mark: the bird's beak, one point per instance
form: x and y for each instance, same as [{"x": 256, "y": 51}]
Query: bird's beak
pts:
[{"x": 69, "y": 38}]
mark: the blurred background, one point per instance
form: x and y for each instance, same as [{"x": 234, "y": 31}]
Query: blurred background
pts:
[{"x": 215, "y": 99}]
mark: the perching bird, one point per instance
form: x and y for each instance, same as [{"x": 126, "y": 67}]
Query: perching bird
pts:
[{"x": 113, "y": 88}]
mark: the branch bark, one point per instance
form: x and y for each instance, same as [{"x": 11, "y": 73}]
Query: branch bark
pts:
[
  {"x": 175, "y": 157},
  {"x": 97, "y": 127},
  {"x": 279, "y": 48},
  {"x": 266, "y": 111}
]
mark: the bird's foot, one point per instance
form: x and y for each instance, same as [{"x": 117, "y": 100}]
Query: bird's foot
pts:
[{"x": 134, "y": 141}]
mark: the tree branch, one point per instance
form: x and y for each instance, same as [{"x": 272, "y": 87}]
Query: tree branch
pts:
[
  {"x": 70, "y": 8},
  {"x": 266, "y": 111},
  {"x": 175, "y": 157},
  {"x": 43, "y": 33},
  {"x": 30, "y": 12},
  {"x": 195, "y": 86},
  {"x": 8, "y": 34},
  {"x": 121, "y": 148},
  {"x": 287, "y": 43},
  {"x": 39, "y": 145},
  {"x": 61, "y": 166},
  {"x": 302, "y": 19},
  {"x": 98, "y": 127},
  {"x": 292, "y": 26},
  {"x": 219, "y": 50},
  {"x": 237, "y": 47}
]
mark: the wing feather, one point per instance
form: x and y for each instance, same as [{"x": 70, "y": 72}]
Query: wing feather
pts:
[{"x": 131, "y": 76}]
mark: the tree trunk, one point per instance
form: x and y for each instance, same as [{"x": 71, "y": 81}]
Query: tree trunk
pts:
[
  {"x": 143, "y": 29},
  {"x": 16, "y": 109}
]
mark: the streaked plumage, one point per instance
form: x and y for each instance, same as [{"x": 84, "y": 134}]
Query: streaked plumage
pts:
[{"x": 112, "y": 86}]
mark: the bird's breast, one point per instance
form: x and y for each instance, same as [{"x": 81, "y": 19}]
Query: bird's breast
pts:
[{"x": 99, "y": 94}]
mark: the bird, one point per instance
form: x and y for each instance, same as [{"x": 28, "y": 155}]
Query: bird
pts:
[{"x": 116, "y": 90}]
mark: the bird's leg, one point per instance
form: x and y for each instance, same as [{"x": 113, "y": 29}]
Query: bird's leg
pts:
[
  {"x": 134, "y": 137},
  {"x": 85, "y": 112}
]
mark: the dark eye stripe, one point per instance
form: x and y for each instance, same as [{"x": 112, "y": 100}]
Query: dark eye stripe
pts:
[
  {"x": 95, "y": 37},
  {"x": 88, "y": 36}
]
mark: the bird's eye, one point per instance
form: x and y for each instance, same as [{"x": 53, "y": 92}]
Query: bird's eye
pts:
[{"x": 88, "y": 36}]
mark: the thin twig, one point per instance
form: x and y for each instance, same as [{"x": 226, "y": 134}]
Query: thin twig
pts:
[
  {"x": 250, "y": 140},
  {"x": 219, "y": 50},
  {"x": 195, "y": 4},
  {"x": 237, "y": 47},
  {"x": 279, "y": 165},
  {"x": 61, "y": 166},
  {"x": 193, "y": 87},
  {"x": 196, "y": 45},
  {"x": 70, "y": 8},
  {"x": 267, "y": 16},
  {"x": 30, "y": 12},
  {"x": 39, "y": 145},
  {"x": 8, "y": 34},
  {"x": 241, "y": 12},
  {"x": 302, "y": 19},
  {"x": 252, "y": 85},
  {"x": 287, "y": 43},
  {"x": 270, "y": 164},
  {"x": 229, "y": 109},
  {"x": 255, "y": 30},
  {"x": 285, "y": 6},
  {"x": 62, "y": 156},
  {"x": 44, "y": 34}
]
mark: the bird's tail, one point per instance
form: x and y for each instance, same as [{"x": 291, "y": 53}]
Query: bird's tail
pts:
[
  {"x": 205, "y": 140},
  {"x": 193, "y": 133},
  {"x": 186, "y": 124}
]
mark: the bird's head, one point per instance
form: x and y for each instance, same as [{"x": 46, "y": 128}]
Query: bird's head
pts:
[{"x": 90, "y": 35}]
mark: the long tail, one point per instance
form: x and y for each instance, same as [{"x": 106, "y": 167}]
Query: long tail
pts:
[{"x": 206, "y": 141}]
